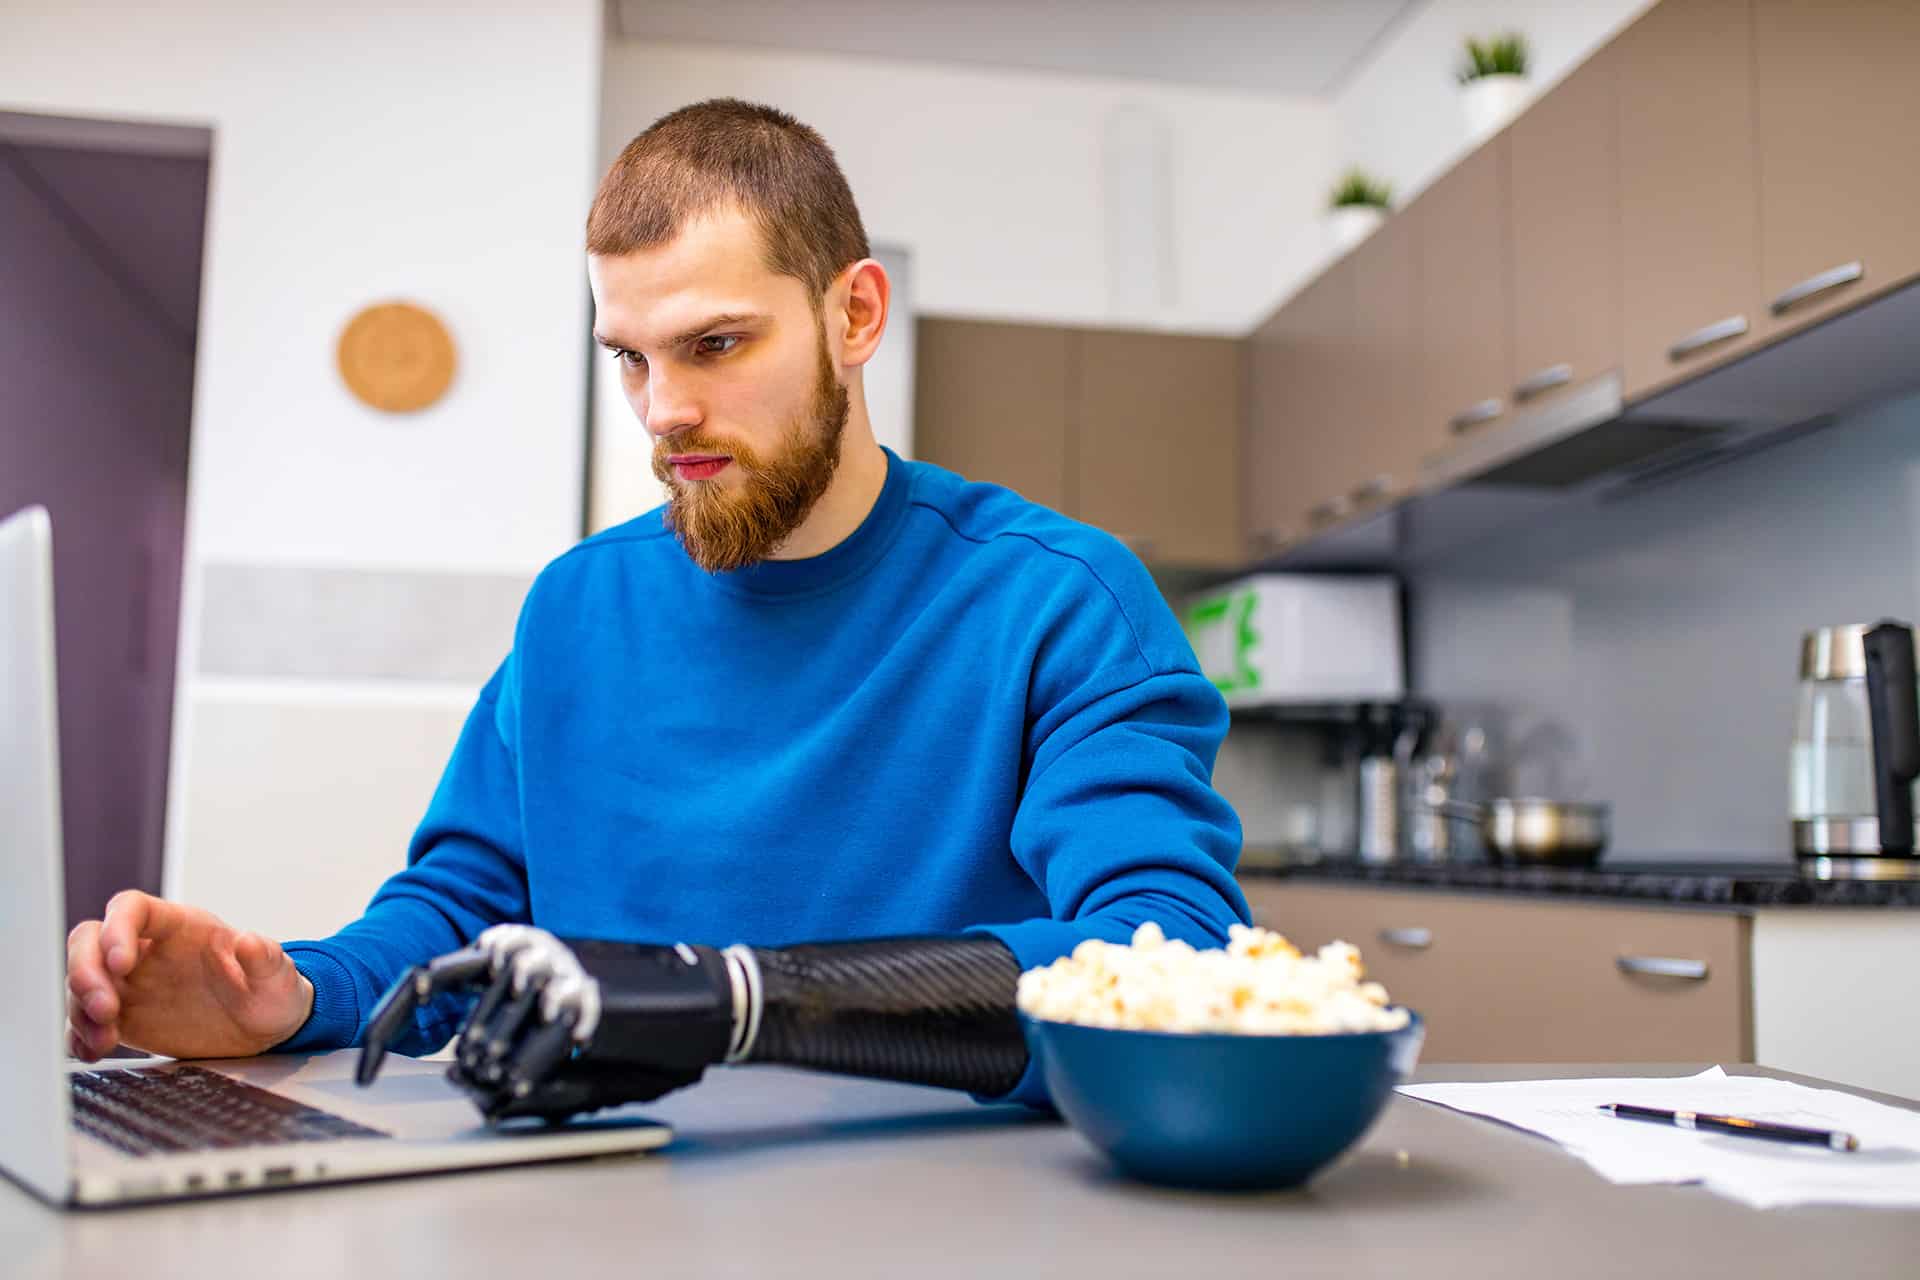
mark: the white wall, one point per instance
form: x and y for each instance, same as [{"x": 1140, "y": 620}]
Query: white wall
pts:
[
  {"x": 1399, "y": 115},
  {"x": 362, "y": 151}
]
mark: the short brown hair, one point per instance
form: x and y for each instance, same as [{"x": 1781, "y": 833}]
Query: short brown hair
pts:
[{"x": 692, "y": 161}]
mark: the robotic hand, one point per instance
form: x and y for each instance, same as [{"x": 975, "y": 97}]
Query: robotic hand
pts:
[{"x": 567, "y": 1027}]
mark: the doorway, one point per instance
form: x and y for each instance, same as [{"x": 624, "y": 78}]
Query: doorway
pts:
[{"x": 102, "y": 230}]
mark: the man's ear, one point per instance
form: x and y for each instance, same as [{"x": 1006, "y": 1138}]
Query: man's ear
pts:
[{"x": 867, "y": 295}]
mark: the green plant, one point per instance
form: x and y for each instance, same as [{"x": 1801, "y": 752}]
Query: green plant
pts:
[
  {"x": 1499, "y": 56},
  {"x": 1356, "y": 188}
]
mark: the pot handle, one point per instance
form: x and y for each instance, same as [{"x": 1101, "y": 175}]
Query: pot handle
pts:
[{"x": 1894, "y": 711}]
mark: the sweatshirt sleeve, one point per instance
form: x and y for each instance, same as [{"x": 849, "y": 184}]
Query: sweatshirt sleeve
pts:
[
  {"x": 1119, "y": 822},
  {"x": 466, "y": 870}
]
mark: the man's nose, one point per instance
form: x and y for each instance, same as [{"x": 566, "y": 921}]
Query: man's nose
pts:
[{"x": 668, "y": 407}]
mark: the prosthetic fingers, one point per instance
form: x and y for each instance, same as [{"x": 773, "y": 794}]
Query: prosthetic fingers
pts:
[{"x": 559, "y": 1028}]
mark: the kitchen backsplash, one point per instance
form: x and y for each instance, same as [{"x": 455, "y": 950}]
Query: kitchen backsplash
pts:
[{"x": 1645, "y": 652}]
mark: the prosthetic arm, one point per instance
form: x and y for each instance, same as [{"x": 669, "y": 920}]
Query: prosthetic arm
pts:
[{"x": 563, "y": 1027}]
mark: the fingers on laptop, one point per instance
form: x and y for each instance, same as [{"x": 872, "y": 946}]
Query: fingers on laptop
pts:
[
  {"x": 89, "y": 987},
  {"x": 259, "y": 957},
  {"x": 86, "y": 1038},
  {"x": 130, "y": 916}
]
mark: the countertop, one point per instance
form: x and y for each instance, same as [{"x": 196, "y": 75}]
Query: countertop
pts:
[
  {"x": 780, "y": 1173},
  {"x": 1723, "y": 884}
]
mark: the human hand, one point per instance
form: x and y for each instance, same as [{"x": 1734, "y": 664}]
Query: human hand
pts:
[{"x": 177, "y": 980}]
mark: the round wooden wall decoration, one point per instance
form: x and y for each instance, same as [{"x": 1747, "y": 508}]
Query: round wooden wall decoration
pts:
[{"x": 396, "y": 356}]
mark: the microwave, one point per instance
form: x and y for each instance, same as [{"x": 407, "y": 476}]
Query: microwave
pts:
[{"x": 1275, "y": 639}]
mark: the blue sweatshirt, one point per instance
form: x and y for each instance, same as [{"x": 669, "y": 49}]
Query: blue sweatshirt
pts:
[{"x": 973, "y": 714}]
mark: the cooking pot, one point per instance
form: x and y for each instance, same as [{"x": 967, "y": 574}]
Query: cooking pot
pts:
[{"x": 1528, "y": 829}]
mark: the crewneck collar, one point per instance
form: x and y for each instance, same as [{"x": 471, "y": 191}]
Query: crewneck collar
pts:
[{"x": 852, "y": 556}]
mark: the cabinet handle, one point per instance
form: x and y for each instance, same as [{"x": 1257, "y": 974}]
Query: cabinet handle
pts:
[
  {"x": 1329, "y": 511},
  {"x": 1415, "y": 939},
  {"x": 1813, "y": 286},
  {"x": 1543, "y": 381},
  {"x": 1663, "y": 967},
  {"x": 1381, "y": 486},
  {"x": 1718, "y": 331},
  {"x": 1475, "y": 414}
]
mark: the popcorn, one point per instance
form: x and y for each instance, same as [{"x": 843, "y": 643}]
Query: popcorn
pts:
[{"x": 1259, "y": 984}]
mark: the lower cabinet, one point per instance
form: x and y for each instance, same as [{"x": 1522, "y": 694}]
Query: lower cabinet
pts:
[{"x": 1522, "y": 980}]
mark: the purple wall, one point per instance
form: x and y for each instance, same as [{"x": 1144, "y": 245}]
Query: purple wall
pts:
[{"x": 99, "y": 297}]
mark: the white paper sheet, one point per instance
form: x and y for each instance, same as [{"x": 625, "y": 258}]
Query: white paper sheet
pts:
[{"x": 1885, "y": 1171}]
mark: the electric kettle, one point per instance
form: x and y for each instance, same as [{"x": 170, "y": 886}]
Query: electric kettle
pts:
[{"x": 1856, "y": 753}]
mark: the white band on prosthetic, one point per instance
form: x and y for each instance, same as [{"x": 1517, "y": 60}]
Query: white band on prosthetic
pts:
[
  {"x": 536, "y": 953},
  {"x": 743, "y": 975}
]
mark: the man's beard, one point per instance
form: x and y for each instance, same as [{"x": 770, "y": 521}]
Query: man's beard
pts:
[{"x": 724, "y": 530}]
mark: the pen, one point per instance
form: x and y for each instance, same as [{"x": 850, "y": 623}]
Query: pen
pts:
[{"x": 1734, "y": 1124}]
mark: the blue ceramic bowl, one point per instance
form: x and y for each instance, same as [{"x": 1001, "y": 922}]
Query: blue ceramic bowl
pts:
[{"x": 1217, "y": 1110}]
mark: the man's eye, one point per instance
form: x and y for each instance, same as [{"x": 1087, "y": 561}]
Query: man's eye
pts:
[
  {"x": 705, "y": 349},
  {"x": 630, "y": 359}
]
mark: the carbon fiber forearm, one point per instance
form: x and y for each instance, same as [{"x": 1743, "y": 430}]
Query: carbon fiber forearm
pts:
[{"x": 936, "y": 1011}]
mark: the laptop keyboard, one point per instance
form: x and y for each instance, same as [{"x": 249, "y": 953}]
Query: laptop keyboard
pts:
[{"x": 152, "y": 1110}]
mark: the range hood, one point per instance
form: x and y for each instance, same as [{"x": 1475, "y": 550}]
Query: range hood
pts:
[{"x": 1590, "y": 444}]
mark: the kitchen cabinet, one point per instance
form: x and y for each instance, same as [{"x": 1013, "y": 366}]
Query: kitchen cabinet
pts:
[
  {"x": 1837, "y": 98},
  {"x": 1137, "y": 433},
  {"x": 1464, "y": 312},
  {"x": 1382, "y": 459},
  {"x": 1295, "y": 424},
  {"x": 1565, "y": 192},
  {"x": 1156, "y": 426},
  {"x": 1273, "y": 494},
  {"x": 1689, "y": 183},
  {"x": 1510, "y": 980},
  {"x": 991, "y": 402}
]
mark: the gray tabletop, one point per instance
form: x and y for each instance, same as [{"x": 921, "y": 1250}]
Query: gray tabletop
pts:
[{"x": 779, "y": 1173}]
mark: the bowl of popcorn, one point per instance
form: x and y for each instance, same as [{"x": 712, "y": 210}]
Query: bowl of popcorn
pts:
[{"x": 1247, "y": 1066}]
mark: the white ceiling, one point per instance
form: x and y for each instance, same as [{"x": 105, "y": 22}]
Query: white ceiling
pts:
[{"x": 1279, "y": 47}]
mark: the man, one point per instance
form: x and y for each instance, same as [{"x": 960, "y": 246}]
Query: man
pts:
[{"x": 823, "y": 693}]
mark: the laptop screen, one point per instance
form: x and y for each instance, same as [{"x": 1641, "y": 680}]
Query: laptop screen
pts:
[{"x": 33, "y": 1090}]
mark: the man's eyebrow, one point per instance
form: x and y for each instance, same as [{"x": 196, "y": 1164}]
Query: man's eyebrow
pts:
[{"x": 681, "y": 339}]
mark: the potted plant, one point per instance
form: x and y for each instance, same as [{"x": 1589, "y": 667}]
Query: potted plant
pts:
[
  {"x": 1493, "y": 83},
  {"x": 1358, "y": 205}
]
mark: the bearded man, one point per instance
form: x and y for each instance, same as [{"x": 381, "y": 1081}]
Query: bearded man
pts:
[{"x": 823, "y": 693}]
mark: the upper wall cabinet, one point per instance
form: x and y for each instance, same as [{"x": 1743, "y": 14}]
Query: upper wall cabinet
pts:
[
  {"x": 990, "y": 402},
  {"x": 1382, "y": 453},
  {"x": 1273, "y": 496},
  {"x": 1565, "y": 197},
  {"x": 1296, "y": 430},
  {"x": 1837, "y": 91},
  {"x": 1156, "y": 443},
  {"x": 1137, "y": 433},
  {"x": 1689, "y": 183},
  {"x": 1571, "y": 306},
  {"x": 1465, "y": 310}
]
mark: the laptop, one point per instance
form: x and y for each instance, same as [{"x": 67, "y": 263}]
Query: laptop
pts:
[{"x": 127, "y": 1130}]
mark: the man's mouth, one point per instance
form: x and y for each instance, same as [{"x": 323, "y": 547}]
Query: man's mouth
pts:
[{"x": 698, "y": 466}]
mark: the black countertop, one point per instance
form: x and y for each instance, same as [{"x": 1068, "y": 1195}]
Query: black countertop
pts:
[{"x": 1724, "y": 884}]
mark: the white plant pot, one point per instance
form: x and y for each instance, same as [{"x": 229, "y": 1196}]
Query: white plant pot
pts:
[
  {"x": 1491, "y": 101},
  {"x": 1349, "y": 224}
]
